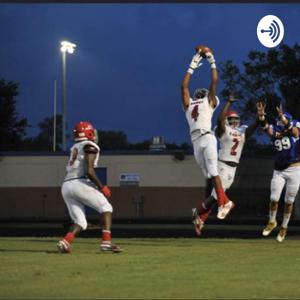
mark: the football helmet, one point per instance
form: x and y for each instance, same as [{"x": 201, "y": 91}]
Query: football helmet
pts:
[
  {"x": 84, "y": 131},
  {"x": 200, "y": 93},
  {"x": 232, "y": 119}
]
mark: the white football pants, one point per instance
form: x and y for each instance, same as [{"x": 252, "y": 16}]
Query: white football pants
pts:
[
  {"x": 80, "y": 192},
  {"x": 206, "y": 154},
  {"x": 227, "y": 174},
  {"x": 289, "y": 177}
]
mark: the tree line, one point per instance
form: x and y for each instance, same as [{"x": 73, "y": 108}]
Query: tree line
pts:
[{"x": 272, "y": 76}]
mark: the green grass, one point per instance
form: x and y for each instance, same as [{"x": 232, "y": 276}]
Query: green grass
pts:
[{"x": 151, "y": 269}]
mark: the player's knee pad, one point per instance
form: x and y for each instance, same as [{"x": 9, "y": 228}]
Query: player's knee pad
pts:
[
  {"x": 107, "y": 207},
  {"x": 212, "y": 168},
  {"x": 82, "y": 223},
  {"x": 275, "y": 194},
  {"x": 274, "y": 197},
  {"x": 290, "y": 194}
]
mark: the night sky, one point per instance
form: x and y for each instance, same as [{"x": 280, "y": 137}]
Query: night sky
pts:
[{"x": 130, "y": 59}]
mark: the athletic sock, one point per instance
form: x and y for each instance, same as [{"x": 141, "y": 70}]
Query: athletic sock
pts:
[
  {"x": 272, "y": 216},
  {"x": 204, "y": 212},
  {"x": 106, "y": 236},
  {"x": 222, "y": 198},
  {"x": 69, "y": 237},
  {"x": 286, "y": 219}
]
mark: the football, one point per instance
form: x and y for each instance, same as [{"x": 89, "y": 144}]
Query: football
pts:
[{"x": 203, "y": 49}]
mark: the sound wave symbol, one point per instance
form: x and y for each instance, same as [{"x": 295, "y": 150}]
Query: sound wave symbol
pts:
[{"x": 274, "y": 31}]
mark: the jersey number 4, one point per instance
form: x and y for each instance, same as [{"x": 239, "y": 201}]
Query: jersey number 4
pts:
[{"x": 195, "y": 113}]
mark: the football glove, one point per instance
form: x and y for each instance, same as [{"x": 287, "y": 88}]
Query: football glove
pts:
[
  {"x": 106, "y": 191},
  {"x": 211, "y": 59},
  {"x": 195, "y": 63}
]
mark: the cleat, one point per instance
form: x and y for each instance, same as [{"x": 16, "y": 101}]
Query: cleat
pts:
[
  {"x": 270, "y": 226},
  {"x": 225, "y": 209},
  {"x": 281, "y": 235},
  {"x": 198, "y": 223},
  {"x": 64, "y": 246},
  {"x": 110, "y": 247}
]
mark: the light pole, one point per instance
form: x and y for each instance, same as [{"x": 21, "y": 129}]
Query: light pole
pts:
[{"x": 65, "y": 47}]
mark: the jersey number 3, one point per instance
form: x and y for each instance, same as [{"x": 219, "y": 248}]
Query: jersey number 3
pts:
[{"x": 195, "y": 113}]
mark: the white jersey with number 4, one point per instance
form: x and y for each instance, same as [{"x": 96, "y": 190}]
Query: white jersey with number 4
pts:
[
  {"x": 76, "y": 165},
  {"x": 231, "y": 143},
  {"x": 199, "y": 114}
]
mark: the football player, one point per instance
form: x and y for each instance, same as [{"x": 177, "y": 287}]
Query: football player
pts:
[
  {"x": 82, "y": 187},
  {"x": 232, "y": 137},
  {"x": 285, "y": 138},
  {"x": 198, "y": 111}
]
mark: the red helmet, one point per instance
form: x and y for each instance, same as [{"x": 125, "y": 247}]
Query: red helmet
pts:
[{"x": 84, "y": 131}]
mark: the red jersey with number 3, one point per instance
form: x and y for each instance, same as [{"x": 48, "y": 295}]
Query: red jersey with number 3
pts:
[
  {"x": 199, "y": 114},
  {"x": 76, "y": 167},
  {"x": 231, "y": 143}
]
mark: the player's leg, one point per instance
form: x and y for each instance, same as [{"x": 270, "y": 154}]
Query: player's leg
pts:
[
  {"x": 201, "y": 213},
  {"x": 210, "y": 163},
  {"x": 77, "y": 214},
  {"x": 96, "y": 200},
  {"x": 292, "y": 186},
  {"x": 227, "y": 174},
  {"x": 277, "y": 184}
]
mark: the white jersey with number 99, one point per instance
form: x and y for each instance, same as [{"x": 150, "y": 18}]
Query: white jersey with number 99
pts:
[{"x": 199, "y": 114}]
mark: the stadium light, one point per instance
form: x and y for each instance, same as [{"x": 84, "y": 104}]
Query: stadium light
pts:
[{"x": 66, "y": 47}]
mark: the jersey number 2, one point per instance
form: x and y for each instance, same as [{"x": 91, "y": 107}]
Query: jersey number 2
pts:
[
  {"x": 195, "y": 113},
  {"x": 235, "y": 145}
]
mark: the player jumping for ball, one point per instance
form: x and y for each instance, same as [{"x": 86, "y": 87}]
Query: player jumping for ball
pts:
[
  {"x": 198, "y": 111},
  {"x": 232, "y": 137},
  {"x": 82, "y": 188},
  {"x": 285, "y": 137}
]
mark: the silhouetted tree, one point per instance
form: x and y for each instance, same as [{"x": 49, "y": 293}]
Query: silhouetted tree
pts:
[
  {"x": 44, "y": 140},
  {"x": 273, "y": 76},
  {"x": 12, "y": 127},
  {"x": 112, "y": 140}
]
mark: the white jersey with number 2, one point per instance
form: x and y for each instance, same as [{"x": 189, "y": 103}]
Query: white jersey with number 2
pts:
[
  {"x": 231, "y": 143},
  {"x": 199, "y": 114}
]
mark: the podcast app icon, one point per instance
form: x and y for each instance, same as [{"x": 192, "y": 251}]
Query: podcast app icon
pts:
[{"x": 270, "y": 31}]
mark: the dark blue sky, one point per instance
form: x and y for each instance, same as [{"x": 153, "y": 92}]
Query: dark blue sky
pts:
[{"x": 130, "y": 58}]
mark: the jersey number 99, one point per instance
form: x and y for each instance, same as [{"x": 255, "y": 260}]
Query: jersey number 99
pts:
[{"x": 282, "y": 144}]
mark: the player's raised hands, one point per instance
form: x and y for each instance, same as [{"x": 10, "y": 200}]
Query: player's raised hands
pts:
[
  {"x": 261, "y": 105},
  {"x": 195, "y": 63},
  {"x": 232, "y": 98},
  {"x": 280, "y": 110}
]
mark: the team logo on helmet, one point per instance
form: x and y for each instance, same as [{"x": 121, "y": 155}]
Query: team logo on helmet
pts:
[
  {"x": 84, "y": 131},
  {"x": 232, "y": 119}
]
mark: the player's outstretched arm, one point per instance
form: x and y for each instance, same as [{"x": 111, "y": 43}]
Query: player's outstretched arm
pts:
[
  {"x": 261, "y": 106},
  {"x": 214, "y": 79},
  {"x": 185, "y": 92},
  {"x": 221, "y": 119},
  {"x": 289, "y": 125}
]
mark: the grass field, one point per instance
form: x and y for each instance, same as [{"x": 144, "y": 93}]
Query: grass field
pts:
[{"x": 151, "y": 269}]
